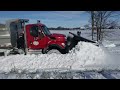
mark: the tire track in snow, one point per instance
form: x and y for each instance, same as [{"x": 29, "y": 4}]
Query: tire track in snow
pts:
[
  {"x": 113, "y": 74},
  {"x": 62, "y": 74},
  {"x": 93, "y": 75}
]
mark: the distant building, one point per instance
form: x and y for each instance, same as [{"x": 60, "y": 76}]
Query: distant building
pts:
[{"x": 2, "y": 27}]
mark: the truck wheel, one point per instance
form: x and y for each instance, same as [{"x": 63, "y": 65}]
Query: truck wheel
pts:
[{"x": 53, "y": 51}]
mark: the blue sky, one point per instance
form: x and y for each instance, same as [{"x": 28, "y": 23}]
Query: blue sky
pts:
[{"x": 49, "y": 18}]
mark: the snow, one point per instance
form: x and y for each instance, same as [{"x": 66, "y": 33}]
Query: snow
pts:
[
  {"x": 5, "y": 35},
  {"x": 111, "y": 45},
  {"x": 5, "y": 44},
  {"x": 112, "y": 40},
  {"x": 85, "y": 56}
]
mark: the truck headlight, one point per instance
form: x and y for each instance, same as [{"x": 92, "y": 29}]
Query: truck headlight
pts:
[{"x": 63, "y": 44}]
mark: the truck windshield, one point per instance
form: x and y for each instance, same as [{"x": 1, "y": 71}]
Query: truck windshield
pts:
[{"x": 46, "y": 30}]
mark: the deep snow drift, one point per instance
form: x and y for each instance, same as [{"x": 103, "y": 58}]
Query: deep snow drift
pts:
[{"x": 85, "y": 56}]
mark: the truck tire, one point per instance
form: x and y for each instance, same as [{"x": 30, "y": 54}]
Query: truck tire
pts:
[
  {"x": 51, "y": 50},
  {"x": 55, "y": 51}
]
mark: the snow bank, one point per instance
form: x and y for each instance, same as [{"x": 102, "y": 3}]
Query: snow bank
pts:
[
  {"x": 111, "y": 45},
  {"x": 5, "y": 35},
  {"x": 83, "y": 56},
  {"x": 108, "y": 44},
  {"x": 88, "y": 55}
]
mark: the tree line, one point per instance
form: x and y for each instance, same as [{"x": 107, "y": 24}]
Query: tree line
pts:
[
  {"x": 63, "y": 28},
  {"x": 100, "y": 20}
]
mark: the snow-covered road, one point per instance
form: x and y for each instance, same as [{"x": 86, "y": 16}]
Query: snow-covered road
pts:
[{"x": 62, "y": 74}]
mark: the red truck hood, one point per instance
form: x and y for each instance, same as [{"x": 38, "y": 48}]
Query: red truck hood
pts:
[{"x": 57, "y": 35}]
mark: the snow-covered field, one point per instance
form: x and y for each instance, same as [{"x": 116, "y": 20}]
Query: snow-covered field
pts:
[
  {"x": 112, "y": 41},
  {"x": 84, "y": 61}
]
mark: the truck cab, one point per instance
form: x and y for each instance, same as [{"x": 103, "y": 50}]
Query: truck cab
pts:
[{"x": 39, "y": 37}]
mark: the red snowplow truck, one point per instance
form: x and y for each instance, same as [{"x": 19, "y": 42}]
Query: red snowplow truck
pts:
[{"x": 36, "y": 38}]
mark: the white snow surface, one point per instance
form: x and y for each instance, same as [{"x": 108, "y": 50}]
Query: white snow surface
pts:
[
  {"x": 5, "y": 35},
  {"x": 111, "y": 40},
  {"x": 111, "y": 45},
  {"x": 85, "y": 56}
]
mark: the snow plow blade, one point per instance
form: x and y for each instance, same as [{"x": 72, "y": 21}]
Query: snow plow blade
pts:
[
  {"x": 73, "y": 41},
  {"x": 79, "y": 38}
]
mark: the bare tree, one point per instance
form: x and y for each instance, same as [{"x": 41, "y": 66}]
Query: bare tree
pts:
[
  {"x": 87, "y": 26},
  {"x": 91, "y": 21},
  {"x": 92, "y": 18},
  {"x": 112, "y": 24},
  {"x": 99, "y": 19}
]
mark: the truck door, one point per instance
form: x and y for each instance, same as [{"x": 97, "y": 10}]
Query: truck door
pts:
[{"x": 35, "y": 38}]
